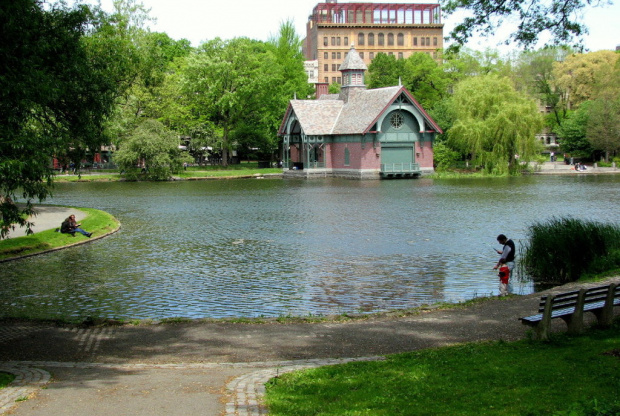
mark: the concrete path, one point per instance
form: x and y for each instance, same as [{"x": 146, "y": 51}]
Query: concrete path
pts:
[
  {"x": 217, "y": 368},
  {"x": 48, "y": 217}
]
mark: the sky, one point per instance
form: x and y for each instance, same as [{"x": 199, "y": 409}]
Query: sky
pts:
[{"x": 200, "y": 20}]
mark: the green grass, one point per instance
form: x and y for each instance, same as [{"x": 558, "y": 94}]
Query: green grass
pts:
[
  {"x": 567, "y": 376},
  {"x": 226, "y": 173},
  {"x": 98, "y": 222},
  {"x": 111, "y": 177},
  {"x": 5, "y": 379},
  {"x": 192, "y": 172}
]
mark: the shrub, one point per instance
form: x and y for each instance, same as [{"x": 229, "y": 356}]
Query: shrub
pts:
[{"x": 560, "y": 250}]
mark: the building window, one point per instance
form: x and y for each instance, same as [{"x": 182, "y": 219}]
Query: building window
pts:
[
  {"x": 326, "y": 80},
  {"x": 333, "y": 41},
  {"x": 333, "y": 55},
  {"x": 325, "y": 55},
  {"x": 422, "y": 41},
  {"x": 415, "y": 41},
  {"x": 428, "y": 41},
  {"x": 338, "y": 55},
  {"x": 334, "y": 67},
  {"x": 362, "y": 55},
  {"x": 381, "y": 39},
  {"x": 371, "y": 39},
  {"x": 390, "y": 39},
  {"x": 434, "y": 41},
  {"x": 338, "y": 39},
  {"x": 400, "y": 39},
  {"x": 371, "y": 55},
  {"x": 325, "y": 41},
  {"x": 347, "y": 157},
  {"x": 339, "y": 80},
  {"x": 326, "y": 67},
  {"x": 397, "y": 120},
  {"x": 346, "y": 41},
  {"x": 400, "y": 55},
  {"x": 360, "y": 39}
]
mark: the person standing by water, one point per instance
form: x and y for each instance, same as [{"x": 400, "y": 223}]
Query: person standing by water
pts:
[
  {"x": 70, "y": 226},
  {"x": 505, "y": 264},
  {"x": 507, "y": 253}
]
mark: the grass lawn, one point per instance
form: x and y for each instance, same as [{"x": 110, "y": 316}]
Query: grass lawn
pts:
[
  {"x": 220, "y": 173},
  {"x": 98, "y": 222},
  {"x": 5, "y": 379},
  {"x": 211, "y": 171},
  {"x": 567, "y": 376}
]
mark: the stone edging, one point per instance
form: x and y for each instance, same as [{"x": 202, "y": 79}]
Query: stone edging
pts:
[
  {"x": 27, "y": 381},
  {"x": 245, "y": 392}
]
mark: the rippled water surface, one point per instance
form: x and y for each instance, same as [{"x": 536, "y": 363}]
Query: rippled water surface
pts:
[{"x": 273, "y": 247}]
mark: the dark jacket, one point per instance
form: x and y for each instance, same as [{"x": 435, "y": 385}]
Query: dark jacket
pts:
[{"x": 67, "y": 226}]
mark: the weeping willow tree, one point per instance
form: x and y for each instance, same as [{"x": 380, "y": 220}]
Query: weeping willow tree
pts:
[{"x": 494, "y": 124}]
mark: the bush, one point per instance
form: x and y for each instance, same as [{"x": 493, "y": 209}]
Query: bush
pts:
[
  {"x": 561, "y": 250},
  {"x": 444, "y": 157}
]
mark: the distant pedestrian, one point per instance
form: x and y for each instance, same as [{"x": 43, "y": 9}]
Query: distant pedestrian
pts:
[{"x": 70, "y": 226}]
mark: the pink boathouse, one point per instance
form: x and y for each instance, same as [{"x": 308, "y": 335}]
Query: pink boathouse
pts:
[{"x": 359, "y": 133}]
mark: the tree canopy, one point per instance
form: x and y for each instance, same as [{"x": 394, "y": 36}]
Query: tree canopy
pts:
[
  {"x": 56, "y": 92},
  {"x": 558, "y": 18},
  {"x": 494, "y": 123}
]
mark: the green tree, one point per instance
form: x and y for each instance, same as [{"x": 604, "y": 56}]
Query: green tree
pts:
[
  {"x": 573, "y": 132},
  {"x": 152, "y": 151},
  {"x": 285, "y": 80},
  {"x": 385, "y": 71},
  {"x": 603, "y": 127},
  {"x": 494, "y": 123},
  {"x": 583, "y": 76},
  {"x": 233, "y": 84},
  {"x": 559, "y": 18},
  {"x": 533, "y": 72},
  {"x": 55, "y": 93},
  {"x": 426, "y": 79}
]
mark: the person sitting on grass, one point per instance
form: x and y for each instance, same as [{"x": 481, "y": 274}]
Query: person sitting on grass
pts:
[{"x": 70, "y": 226}]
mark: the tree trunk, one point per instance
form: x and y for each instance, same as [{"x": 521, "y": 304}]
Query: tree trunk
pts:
[{"x": 225, "y": 147}]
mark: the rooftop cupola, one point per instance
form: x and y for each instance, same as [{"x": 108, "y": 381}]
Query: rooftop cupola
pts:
[{"x": 352, "y": 69}]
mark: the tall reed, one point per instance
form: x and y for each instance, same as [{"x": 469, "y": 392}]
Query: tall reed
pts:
[{"x": 561, "y": 250}]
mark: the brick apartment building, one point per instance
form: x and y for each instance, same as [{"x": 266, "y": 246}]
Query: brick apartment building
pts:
[{"x": 398, "y": 29}]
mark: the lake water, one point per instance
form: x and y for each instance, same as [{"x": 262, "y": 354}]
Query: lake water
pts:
[{"x": 272, "y": 247}]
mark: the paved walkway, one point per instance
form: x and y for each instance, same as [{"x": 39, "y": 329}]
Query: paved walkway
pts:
[
  {"x": 216, "y": 368},
  {"x": 560, "y": 168},
  {"x": 47, "y": 218}
]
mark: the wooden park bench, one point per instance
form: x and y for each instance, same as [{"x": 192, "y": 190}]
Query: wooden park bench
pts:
[{"x": 571, "y": 306}]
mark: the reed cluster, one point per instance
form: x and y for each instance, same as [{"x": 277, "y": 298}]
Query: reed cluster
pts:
[{"x": 561, "y": 250}]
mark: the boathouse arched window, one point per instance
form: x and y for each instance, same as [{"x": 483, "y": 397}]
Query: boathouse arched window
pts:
[
  {"x": 397, "y": 120},
  {"x": 381, "y": 39},
  {"x": 390, "y": 39},
  {"x": 400, "y": 39},
  {"x": 360, "y": 38},
  {"x": 371, "y": 39}
]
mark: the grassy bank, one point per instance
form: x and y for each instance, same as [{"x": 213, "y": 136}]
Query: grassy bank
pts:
[
  {"x": 5, "y": 379},
  {"x": 193, "y": 172},
  {"x": 567, "y": 376},
  {"x": 98, "y": 222}
]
